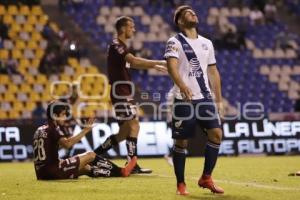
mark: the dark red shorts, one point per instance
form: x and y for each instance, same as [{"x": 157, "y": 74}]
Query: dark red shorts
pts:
[
  {"x": 65, "y": 169},
  {"x": 125, "y": 111}
]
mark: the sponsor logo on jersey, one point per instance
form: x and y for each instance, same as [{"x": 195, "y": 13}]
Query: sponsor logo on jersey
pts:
[
  {"x": 187, "y": 48},
  {"x": 195, "y": 68}
]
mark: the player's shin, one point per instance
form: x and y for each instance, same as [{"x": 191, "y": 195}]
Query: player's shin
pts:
[
  {"x": 179, "y": 157},
  {"x": 131, "y": 145},
  {"x": 102, "y": 167},
  {"x": 108, "y": 144},
  {"x": 211, "y": 155}
]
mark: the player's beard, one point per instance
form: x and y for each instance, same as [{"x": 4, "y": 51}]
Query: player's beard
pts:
[{"x": 191, "y": 24}]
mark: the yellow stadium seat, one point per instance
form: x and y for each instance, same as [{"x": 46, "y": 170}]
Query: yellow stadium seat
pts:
[
  {"x": 24, "y": 10},
  {"x": 32, "y": 45},
  {"x": 36, "y": 36},
  {"x": 28, "y": 28},
  {"x": 36, "y": 10},
  {"x": 46, "y": 96},
  {"x": 30, "y": 79},
  {"x": 43, "y": 19},
  {"x": 22, "y": 70},
  {"x": 34, "y": 96},
  {"x": 81, "y": 70},
  {"x": 35, "y": 63},
  {"x": 3, "y": 54},
  {"x": 9, "y": 96},
  {"x": 3, "y": 115},
  {"x": 30, "y": 105},
  {"x": 8, "y": 19},
  {"x": 41, "y": 78},
  {"x": 25, "y": 88},
  {"x": 39, "y": 53},
  {"x": 24, "y": 62},
  {"x": 32, "y": 19},
  {"x": 12, "y": 10},
  {"x": 92, "y": 70},
  {"x": 65, "y": 77},
  {"x": 17, "y": 54},
  {"x": 20, "y": 44},
  {"x": 12, "y": 88},
  {"x": 18, "y": 105},
  {"x": 12, "y": 34},
  {"x": 14, "y": 114},
  {"x": 4, "y": 79},
  {"x": 2, "y": 10},
  {"x": 15, "y": 27},
  {"x": 72, "y": 61}
]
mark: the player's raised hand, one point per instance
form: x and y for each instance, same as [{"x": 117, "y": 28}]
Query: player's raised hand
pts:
[
  {"x": 89, "y": 123},
  {"x": 186, "y": 93}
]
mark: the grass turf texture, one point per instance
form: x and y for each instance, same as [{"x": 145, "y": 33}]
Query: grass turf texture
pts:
[{"x": 243, "y": 178}]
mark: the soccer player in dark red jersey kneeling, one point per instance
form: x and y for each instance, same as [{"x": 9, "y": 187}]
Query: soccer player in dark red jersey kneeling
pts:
[{"x": 47, "y": 140}]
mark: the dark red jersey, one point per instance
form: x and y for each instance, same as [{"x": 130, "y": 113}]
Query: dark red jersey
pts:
[
  {"x": 45, "y": 146},
  {"x": 118, "y": 69}
]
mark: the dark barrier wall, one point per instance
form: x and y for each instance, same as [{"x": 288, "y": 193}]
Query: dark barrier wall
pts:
[{"x": 240, "y": 137}]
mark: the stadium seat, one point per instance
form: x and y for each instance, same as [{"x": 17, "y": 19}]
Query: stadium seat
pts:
[
  {"x": 24, "y": 10},
  {"x": 2, "y": 10},
  {"x": 12, "y": 10}
]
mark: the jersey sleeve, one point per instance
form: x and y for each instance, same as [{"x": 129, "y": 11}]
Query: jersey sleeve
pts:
[
  {"x": 172, "y": 49},
  {"x": 120, "y": 49},
  {"x": 211, "y": 56}
]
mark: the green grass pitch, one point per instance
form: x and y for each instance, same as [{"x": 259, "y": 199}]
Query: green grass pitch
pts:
[{"x": 243, "y": 178}]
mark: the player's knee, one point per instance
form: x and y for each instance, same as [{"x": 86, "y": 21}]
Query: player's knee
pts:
[
  {"x": 181, "y": 143},
  {"x": 90, "y": 155},
  {"x": 216, "y": 137}
]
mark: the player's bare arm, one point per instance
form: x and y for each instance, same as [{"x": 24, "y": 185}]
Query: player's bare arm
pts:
[
  {"x": 215, "y": 83},
  {"x": 172, "y": 64},
  {"x": 142, "y": 63},
  {"x": 69, "y": 142}
]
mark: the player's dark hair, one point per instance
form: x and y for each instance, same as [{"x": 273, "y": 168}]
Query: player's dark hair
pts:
[
  {"x": 121, "y": 22},
  {"x": 56, "y": 107},
  {"x": 179, "y": 11}
]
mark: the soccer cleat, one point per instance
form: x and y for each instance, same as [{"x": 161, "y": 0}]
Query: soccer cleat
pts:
[
  {"x": 295, "y": 173},
  {"x": 206, "y": 182},
  {"x": 129, "y": 167},
  {"x": 181, "y": 189},
  {"x": 138, "y": 170}
]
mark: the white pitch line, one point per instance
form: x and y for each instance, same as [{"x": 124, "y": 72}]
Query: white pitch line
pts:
[{"x": 245, "y": 184}]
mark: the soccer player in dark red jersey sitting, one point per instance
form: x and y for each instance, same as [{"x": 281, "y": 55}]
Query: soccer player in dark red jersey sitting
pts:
[{"x": 47, "y": 140}]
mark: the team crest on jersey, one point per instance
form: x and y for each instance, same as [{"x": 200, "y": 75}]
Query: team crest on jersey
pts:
[
  {"x": 204, "y": 47},
  {"x": 171, "y": 47},
  {"x": 195, "y": 68}
]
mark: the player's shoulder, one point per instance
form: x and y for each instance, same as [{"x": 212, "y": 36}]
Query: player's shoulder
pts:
[
  {"x": 42, "y": 128},
  {"x": 204, "y": 39},
  {"x": 173, "y": 40}
]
